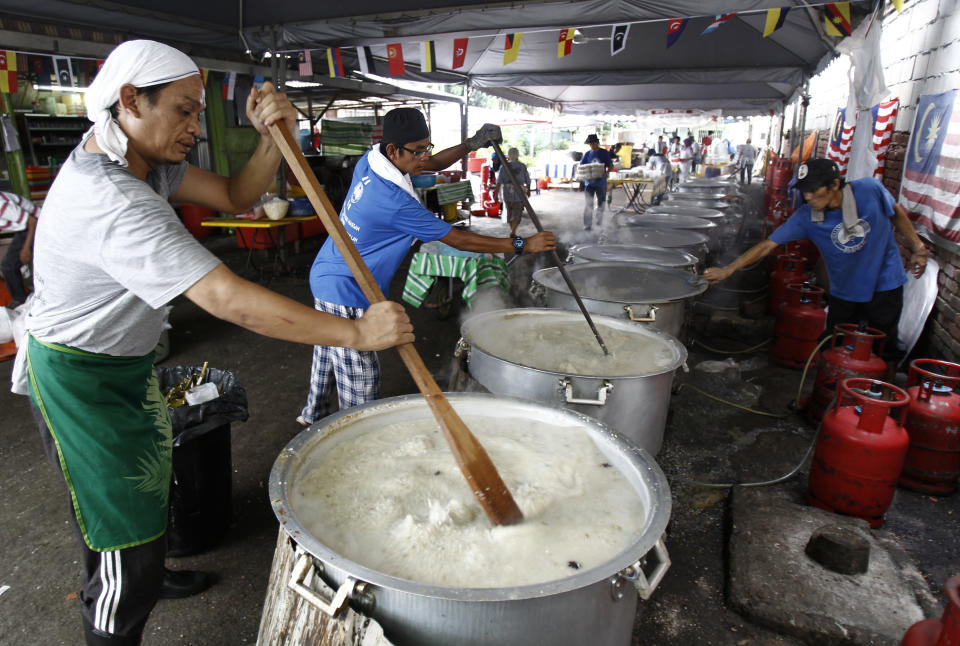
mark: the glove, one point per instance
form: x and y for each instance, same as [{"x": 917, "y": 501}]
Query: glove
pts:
[{"x": 489, "y": 132}]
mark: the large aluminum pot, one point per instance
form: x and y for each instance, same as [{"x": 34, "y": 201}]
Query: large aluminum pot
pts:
[
  {"x": 714, "y": 215},
  {"x": 691, "y": 242},
  {"x": 704, "y": 200},
  {"x": 634, "y": 405},
  {"x": 635, "y": 291},
  {"x": 712, "y": 185},
  {"x": 595, "y": 606},
  {"x": 660, "y": 256},
  {"x": 685, "y": 222}
]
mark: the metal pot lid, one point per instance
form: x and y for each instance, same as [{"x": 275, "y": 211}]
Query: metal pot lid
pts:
[
  {"x": 667, "y": 238},
  {"x": 692, "y": 197},
  {"x": 681, "y": 209},
  {"x": 624, "y": 282},
  {"x": 664, "y": 221},
  {"x": 651, "y": 255},
  {"x": 701, "y": 183}
]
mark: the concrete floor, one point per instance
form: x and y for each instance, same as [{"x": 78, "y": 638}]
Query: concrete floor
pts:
[{"x": 704, "y": 441}]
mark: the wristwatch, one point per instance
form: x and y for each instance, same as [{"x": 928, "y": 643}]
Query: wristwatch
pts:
[{"x": 518, "y": 243}]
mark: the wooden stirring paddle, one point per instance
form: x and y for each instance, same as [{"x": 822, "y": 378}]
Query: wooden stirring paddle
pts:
[{"x": 474, "y": 463}]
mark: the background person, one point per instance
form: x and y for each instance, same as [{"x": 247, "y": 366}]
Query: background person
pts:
[
  {"x": 110, "y": 252},
  {"x": 17, "y": 215},
  {"x": 852, "y": 225},
  {"x": 511, "y": 195},
  {"x": 384, "y": 218},
  {"x": 595, "y": 188},
  {"x": 746, "y": 156}
]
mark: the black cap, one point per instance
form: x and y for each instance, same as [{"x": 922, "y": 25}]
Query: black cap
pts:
[
  {"x": 592, "y": 139},
  {"x": 815, "y": 173},
  {"x": 403, "y": 125}
]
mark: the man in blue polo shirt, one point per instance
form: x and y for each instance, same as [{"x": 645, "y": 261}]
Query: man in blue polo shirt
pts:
[
  {"x": 852, "y": 225},
  {"x": 596, "y": 187},
  {"x": 384, "y": 217}
]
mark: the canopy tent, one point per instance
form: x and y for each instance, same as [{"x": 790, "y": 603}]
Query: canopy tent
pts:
[{"x": 734, "y": 68}]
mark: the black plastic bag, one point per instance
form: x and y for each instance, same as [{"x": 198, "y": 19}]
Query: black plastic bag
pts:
[{"x": 190, "y": 422}]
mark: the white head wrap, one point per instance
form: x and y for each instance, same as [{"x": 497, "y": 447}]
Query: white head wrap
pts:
[{"x": 141, "y": 63}]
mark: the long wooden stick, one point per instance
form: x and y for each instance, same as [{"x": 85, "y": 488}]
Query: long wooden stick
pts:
[
  {"x": 472, "y": 458},
  {"x": 556, "y": 257}
]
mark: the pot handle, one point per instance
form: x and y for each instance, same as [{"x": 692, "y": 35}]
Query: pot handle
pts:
[
  {"x": 537, "y": 292},
  {"x": 651, "y": 316},
  {"x": 601, "y": 399},
  {"x": 303, "y": 569},
  {"x": 645, "y": 584},
  {"x": 462, "y": 346}
]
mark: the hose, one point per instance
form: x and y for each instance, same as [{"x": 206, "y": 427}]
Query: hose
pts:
[
  {"x": 743, "y": 291},
  {"x": 730, "y": 403},
  {"x": 744, "y": 351},
  {"x": 806, "y": 366},
  {"x": 806, "y": 454}
]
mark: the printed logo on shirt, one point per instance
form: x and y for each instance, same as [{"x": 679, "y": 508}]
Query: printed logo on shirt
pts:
[
  {"x": 853, "y": 241},
  {"x": 358, "y": 191}
]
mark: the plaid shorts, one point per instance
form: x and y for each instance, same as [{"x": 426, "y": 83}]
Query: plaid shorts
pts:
[{"x": 357, "y": 373}]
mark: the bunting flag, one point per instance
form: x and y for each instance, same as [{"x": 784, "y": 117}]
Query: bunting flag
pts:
[
  {"x": 674, "y": 28},
  {"x": 64, "y": 71},
  {"x": 459, "y": 52},
  {"x": 897, "y": 4},
  {"x": 334, "y": 62},
  {"x": 775, "y": 20},
  {"x": 511, "y": 47},
  {"x": 618, "y": 39},
  {"x": 229, "y": 84},
  {"x": 395, "y": 56},
  {"x": 8, "y": 71},
  {"x": 305, "y": 63},
  {"x": 718, "y": 20},
  {"x": 43, "y": 69},
  {"x": 565, "y": 42},
  {"x": 205, "y": 73},
  {"x": 365, "y": 58},
  {"x": 884, "y": 118},
  {"x": 930, "y": 190},
  {"x": 836, "y": 19},
  {"x": 841, "y": 138},
  {"x": 428, "y": 56}
]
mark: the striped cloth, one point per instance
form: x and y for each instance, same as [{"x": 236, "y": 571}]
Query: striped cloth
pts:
[
  {"x": 841, "y": 139},
  {"x": 345, "y": 138},
  {"x": 482, "y": 271},
  {"x": 14, "y": 211},
  {"x": 450, "y": 192}
]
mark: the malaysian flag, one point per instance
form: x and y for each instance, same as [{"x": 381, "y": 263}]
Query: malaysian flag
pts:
[
  {"x": 840, "y": 139},
  {"x": 884, "y": 118},
  {"x": 930, "y": 190}
]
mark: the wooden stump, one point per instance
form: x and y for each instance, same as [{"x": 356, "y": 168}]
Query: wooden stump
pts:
[{"x": 289, "y": 620}]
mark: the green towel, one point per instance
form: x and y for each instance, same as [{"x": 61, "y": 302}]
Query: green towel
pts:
[
  {"x": 451, "y": 192},
  {"x": 345, "y": 137},
  {"x": 485, "y": 271}
]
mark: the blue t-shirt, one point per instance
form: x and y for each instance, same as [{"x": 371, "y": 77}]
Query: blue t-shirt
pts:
[
  {"x": 601, "y": 156},
  {"x": 859, "y": 264},
  {"x": 382, "y": 220}
]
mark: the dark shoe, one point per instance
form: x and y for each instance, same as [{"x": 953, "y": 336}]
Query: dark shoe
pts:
[{"x": 178, "y": 584}]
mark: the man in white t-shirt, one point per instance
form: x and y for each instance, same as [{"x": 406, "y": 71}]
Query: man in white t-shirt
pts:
[
  {"x": 18, "y": 215},
  {"x": 110, "y": 252}
]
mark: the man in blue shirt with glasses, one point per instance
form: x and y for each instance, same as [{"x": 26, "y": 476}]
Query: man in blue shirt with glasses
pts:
[{"x": 384, "y": 217}]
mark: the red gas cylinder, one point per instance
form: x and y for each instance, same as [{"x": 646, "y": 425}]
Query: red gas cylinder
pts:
[
  {"x": 800, "y": 323},
  {"x": 777, "y": 215},
  {"x": 933, "y": 423},
  {"x": 860, "y": 450},
  {"x": 939, "y": 632},
  {"x": 852, "y": 353},
  {"x": 790, "y": 269}
]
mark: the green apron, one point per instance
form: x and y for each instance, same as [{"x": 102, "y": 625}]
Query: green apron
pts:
[{"x": 114, "y": 439}]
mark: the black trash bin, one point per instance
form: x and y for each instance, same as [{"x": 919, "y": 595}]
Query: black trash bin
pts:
[{"x": 200, "y": 495}]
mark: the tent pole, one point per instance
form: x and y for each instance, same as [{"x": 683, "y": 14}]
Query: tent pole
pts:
[
  {"x": 279, "y": 78},
  {"x": 464, "y": 108},
  {"x": 783, "y": 114}
]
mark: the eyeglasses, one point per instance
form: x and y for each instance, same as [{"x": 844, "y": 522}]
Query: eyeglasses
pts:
[{"x": 418, "y": 153}]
